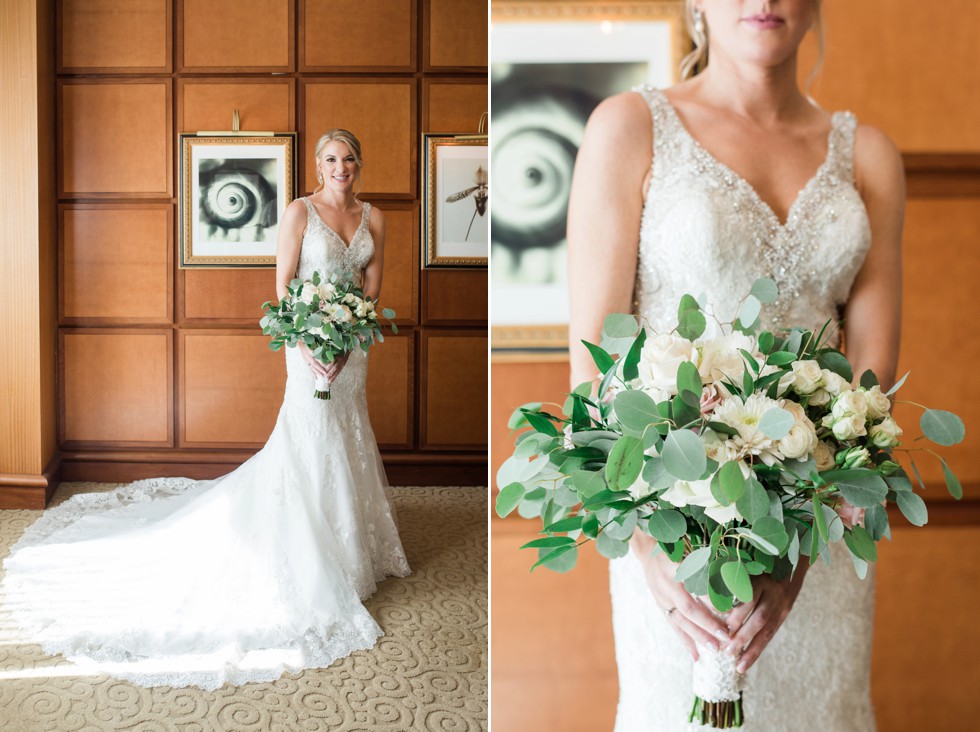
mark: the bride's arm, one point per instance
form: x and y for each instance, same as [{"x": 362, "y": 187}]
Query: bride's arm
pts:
[
  {"x": 872, "y": 317},
  {"x": 872, "y": 320},
  {"x": 375, "y": 268},
  {"x": 603, "y": 238},
  {"x": 604, "y": 221}
]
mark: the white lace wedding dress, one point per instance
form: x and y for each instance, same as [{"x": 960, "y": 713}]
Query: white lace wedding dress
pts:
[
  {"x": 177, "y": 582},
  {"x": 705, "y": 230}
]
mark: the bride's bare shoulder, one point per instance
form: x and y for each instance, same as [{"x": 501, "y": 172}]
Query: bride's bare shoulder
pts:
[
  {"x": 878, "y": 167},
  {"x": 620, "y": 128}
]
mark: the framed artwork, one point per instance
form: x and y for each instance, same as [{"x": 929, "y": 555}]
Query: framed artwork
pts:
[
  {"x": 233, "y": 193},
  {"x": 551, "y": 64},
  {"x": 455, "y": 216}
]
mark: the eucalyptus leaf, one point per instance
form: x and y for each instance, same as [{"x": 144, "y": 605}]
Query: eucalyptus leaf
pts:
[
  {"x": 624, "y": 463},
  {"x": 587, "y": 483},
  {"x": 622, "y": 527},
  {"x": 876, "y": 521},
  {"x": 688, "y": 379},
  {"x": 835, "y": 361},
  {"x": 667, "y": 525},
  {"x": 655, "y": 474},
  {"x": 913, "y": 508},
  {"x": 771, "y": 530},
  {"x": 859, "y": 541},
  {"x": 943, "y": 428},
  {"x": 861, "y": 487},
  {"x": 693, "y": 563},
  {"x": 780, "y": 358},
  {"x": 868, "y": 379},
  {"x": 691, "y": 324},
  {"x": 749, "y": 312},
  {"x": 728, "y": 484},
  {"x": 952, "y": 482},
  {"x": 566, "y": 495},
  {"x": 776, "y": 423},
  {"x": 757, "y": 541},
  {"x": 610, "y": 547},
  {"x": 860, "y": 567},
  {"x": 619, "y": 325},
  {"x": 635, "y": 410},
  {"x": 754, "y": 502},
  {"x": 630, "y": 368},
  {"x": 738, "y": 580},
  {"x": 561, "y": 559},
  {"x": 572, "y": 523},
  {"x": 683, "y": 455},
  {"x": 547, "y": 542},
  {"x": 764, "y": 290},
  {"x": 898, "y": 384},
  {"x": 508, "y": 498}
]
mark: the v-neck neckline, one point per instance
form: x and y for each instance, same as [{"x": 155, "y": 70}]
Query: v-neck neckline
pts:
[
  {"x": 729, "y": 173},
  {"x": 333, "y": 231}
]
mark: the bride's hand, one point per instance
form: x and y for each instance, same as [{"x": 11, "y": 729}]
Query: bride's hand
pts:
[
  {"x": 334, "y": 369},
  {"x": 691, "y": 620},
  {"x": 318, "y": 368},
  {"x": 755, "y": 623}
]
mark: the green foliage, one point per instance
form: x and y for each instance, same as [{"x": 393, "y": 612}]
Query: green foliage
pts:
[
  {"x": 941, "y": 427},
  {"x": 683, "y": 455}
]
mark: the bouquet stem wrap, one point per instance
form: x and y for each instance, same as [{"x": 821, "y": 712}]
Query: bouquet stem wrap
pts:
[
  {"x": 322, "y": 387},
  {"x": 717, "y": 690}
]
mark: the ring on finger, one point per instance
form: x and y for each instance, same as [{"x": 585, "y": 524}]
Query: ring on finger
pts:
[{"x": 668, "y": 611}]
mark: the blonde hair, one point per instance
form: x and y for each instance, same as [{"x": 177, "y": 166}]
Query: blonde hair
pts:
[
  {"x": 697, "y": 58},
  {"x": 339, "y": 135}
]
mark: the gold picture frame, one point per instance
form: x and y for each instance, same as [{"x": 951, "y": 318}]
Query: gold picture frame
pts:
[
  {"x": 234, "y": 190},
  {"x": 536, "y": 34},
  {"x": 455, "y": 219}
]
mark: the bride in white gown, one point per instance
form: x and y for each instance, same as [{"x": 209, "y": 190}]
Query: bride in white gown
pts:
[
  {"x": 177, "y": 582},
  {"x": 810, "y": 199}
]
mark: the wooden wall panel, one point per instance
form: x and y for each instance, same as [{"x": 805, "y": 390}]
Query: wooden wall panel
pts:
[
  {"x": 453, "y": 105},
  {"x": 941, "y": 268},
  {"x": 230, "y": 385},
  {"x": 117, "y": 387},
  {"x": 391, "y": 389},
  {"x": 208, "y": 104},
  {"x": 925, "y": 594},
  {"x": 226, "y": 295},
  {"x": 382, "y": 114},
  {"x": 235, "y": 35},
  {"x": 115, "y": 263},
  {"x": 114, "y": 36},
  {"x": 455, "y": 297},
  {"x": 457, "y": 37},
  {"x": 905, "y": 68},
  {"x": 363, "y": 35},
  {"x": 454, "y": 382},
  {"x": 115, "y": 139},
  {"x": 400, "y": 286}
]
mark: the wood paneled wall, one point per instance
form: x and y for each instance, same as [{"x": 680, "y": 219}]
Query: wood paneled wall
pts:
[
  {"x": 29, "y": 461},
  {"x": 164, "y": 370},
  {"x": 916, "y": 75}
]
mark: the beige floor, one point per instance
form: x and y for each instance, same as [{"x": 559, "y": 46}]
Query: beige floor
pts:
[{"x": 429, "y": 671}]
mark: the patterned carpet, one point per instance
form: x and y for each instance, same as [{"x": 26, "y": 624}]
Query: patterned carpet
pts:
[{"x": 429, "y": 671}]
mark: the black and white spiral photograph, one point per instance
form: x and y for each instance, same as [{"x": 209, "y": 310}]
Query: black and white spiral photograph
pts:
[
  {"x": 541, "y": 100},
  {"x": 233, "y": 194}
]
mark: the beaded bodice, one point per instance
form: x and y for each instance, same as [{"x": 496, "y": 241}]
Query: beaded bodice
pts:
[
  {"x": 323, "y": 248},
  {"x": 706, "y": 230}
]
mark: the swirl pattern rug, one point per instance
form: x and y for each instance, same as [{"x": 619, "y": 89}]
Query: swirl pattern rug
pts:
[{"x": 428, "y": 672}]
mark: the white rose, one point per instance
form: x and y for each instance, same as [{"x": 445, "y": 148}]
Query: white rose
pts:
[
  {"x": 823, "y": 455},
  {"x": 698, "y": 493},
  {"x": 327, "y": 290},
  {"x": 350, "y": 297},
  {"x": 834, "y": 383},
  {"x": 886, "y": 433},
  {"x": 850, "y": 403},
  {"x": 819, "y": 398},
  {"x": 878, "y": 404},
  {"x": 308, "y": 292},
  {"x": 719, "y": 358},
  {"x": 850, "y": 427},
  {"x": 659, "y": 359},
  {"x": 799, "y": 442},
  {"x": 807, "y": 376}
]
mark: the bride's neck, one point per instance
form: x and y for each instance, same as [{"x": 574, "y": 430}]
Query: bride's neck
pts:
[
  {"x": 336, "y": 199},
  {"x": 760, "y": 93}
]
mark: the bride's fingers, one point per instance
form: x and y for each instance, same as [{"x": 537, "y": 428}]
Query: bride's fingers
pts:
[
  {"x": 685, "y": 638},
  {"x": 693, "y": 631},
  {"x": 738, "y": 615}
]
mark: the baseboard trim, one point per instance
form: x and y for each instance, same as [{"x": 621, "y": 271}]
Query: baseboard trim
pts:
[{"x": 19, "y": 490}]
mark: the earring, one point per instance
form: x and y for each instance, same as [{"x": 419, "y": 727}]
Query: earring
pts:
[
  {"x": 698, "y": 20},
  {"x": 319, "y": 176}
]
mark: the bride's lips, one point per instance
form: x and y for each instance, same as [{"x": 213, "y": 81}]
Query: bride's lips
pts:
[{"x": 764, "y": 21}]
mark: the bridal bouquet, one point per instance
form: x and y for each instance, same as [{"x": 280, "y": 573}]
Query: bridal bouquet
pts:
[
  {"x": 331, "y": 316},
  {"x": 736, "y": 452}
]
